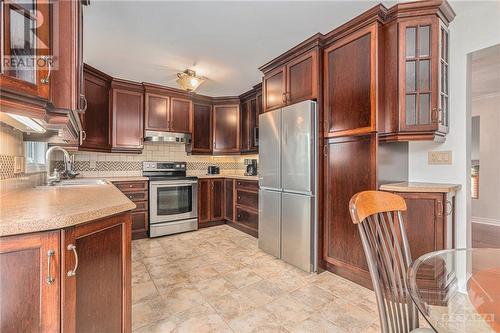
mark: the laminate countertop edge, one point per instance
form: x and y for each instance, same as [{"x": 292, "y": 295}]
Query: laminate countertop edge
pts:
[
  {"x": 421, "y": 187},
  {"x": 50, "y": 208}
]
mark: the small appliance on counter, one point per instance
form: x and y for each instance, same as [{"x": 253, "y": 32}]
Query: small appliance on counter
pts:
[
  {"x": 251, "y": 169},
  {"x": 213, "y": 170}
]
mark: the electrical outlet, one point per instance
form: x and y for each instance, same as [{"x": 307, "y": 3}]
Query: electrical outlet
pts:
[{"x": 440, "y": 157}]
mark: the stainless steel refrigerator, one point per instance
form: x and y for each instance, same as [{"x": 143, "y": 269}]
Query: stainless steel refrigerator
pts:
[{"x": 287, "y": 184}]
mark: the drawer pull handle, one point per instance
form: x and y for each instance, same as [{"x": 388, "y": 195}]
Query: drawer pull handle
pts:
[
  {"x": 50, "y": 278},
  {"x": 72, "y": 272},
  {"x": 131, "y": 186}
]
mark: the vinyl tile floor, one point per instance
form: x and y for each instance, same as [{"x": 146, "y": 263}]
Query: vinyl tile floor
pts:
[{"x": 217, "y": 280}]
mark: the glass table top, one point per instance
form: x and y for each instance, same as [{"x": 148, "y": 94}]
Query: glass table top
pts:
[{"x": 458, "y": 290}]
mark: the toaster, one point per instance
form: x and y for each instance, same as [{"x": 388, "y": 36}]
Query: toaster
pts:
[{"x": 213, "y": 170}]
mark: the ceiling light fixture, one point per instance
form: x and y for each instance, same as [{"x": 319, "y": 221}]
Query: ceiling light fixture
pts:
[{"x": 189, "y": 81}]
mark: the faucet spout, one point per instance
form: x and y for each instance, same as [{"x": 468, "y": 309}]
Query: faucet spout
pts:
[{"x": 68, "y": 172}]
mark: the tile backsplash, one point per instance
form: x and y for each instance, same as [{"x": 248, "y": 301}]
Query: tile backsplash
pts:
[
  {"x": 12, "y": 157},
  {"x": 92, "y": 164}
]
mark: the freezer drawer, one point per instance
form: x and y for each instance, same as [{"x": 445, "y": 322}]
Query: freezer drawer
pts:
[
  {"x": 269, "y": 222},
  {"x": 297, "y": 223}
]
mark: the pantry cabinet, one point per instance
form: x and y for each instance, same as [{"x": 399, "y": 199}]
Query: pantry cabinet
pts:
[
  {"x": 57, "y": 280},
  {"x": 291, "y": 82}
]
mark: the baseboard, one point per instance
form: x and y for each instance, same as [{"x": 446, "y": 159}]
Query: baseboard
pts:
[{"x": 485, "y": 220}]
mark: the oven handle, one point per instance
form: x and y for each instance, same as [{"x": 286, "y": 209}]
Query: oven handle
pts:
[{"x": 172, "y": 183}]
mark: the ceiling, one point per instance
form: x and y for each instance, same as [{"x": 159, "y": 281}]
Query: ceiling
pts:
[
  {"x": 151, "y": 41},
  {"x": 485, "y": 73}
]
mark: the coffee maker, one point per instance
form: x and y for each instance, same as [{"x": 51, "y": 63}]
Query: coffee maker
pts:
[{"x": 251, "y": 169}]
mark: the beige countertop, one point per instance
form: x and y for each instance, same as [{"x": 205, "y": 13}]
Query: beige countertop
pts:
[
  {"x": 243, "y": 177},
  {"x": 421, "y": 187},
  {"x": 55, "y": 207}
]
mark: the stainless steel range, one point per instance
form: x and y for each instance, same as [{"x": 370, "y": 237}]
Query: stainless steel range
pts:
[{"x": 173, "y": 205}]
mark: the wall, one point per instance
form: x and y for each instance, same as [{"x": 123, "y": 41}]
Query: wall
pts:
[
  {"x": 91, "y": 164},
  {"x": 476, "y": 26},
  {"x": 12, "y": 157},
  {"x": 487, "y": 207}
]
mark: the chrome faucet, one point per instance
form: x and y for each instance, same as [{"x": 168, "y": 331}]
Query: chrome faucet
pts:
[{"x": 68, "y": 172}]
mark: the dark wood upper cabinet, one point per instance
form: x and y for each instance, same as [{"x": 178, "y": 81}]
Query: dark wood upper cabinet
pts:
[
  {"x": 21, "y": 22},
  {"x": 423, "y": 76},
  {"x": 96, "y": 120},
  {"x": 292, "y": 82},
  {"x": 30, "y": 283},
  {"x": 350, "y": 84},
  {"x": 181, "y": 112},
  {"x": 201, "y": 140},
  {"x": 99, "y": 287},
  {"x": 157, "y": 110},
  {"x": 226, "y": 129},
  {"x": 274, "y": 89},
  {"x": 302, "y": 78},
  {"x": 127, "y": 116}
]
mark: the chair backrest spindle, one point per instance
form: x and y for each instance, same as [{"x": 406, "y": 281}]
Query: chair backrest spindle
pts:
[{"x": 381, "y": 227}]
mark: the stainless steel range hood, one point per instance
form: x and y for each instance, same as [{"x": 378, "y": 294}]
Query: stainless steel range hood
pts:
[{"x": 158, "y": 136}]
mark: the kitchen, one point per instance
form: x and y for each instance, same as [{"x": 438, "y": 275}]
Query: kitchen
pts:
[{"x": 171, "y": 196}]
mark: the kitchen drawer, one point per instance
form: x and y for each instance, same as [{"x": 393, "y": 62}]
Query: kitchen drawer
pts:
[
  {"x": 251, "y": 185},
  {"x": 141, "y": 206},
  {"x": 247, "y": 218},
  {"x": 248, "y": 199},
  {"x": 137, "y": 196},
  {"x": 139, "y": 221},
  {"x": 132, "y": 186}
]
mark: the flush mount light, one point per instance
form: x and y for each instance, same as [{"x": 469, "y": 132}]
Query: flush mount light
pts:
[{"x": 189, "y": 81}]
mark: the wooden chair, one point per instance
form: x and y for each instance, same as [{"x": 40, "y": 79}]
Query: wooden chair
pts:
[{"x": 380, "y": 223}]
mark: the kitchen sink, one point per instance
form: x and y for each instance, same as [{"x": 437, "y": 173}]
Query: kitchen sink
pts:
[{"x": 81, "y": 182}]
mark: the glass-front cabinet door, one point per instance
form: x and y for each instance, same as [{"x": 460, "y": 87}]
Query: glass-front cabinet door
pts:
[
  {"x": 25, "y": 50},
  {"x": 423, "y": 72}
]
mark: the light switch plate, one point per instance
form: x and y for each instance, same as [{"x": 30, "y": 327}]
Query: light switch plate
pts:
[{"x": 440, "y": 157}]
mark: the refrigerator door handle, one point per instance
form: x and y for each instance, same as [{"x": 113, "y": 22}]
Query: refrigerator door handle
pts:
[{"x": 307, "y": 193}]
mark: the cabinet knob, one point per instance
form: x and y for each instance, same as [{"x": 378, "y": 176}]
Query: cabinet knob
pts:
[
  {"x": 239, "y": 197},
  {"x": 130, "y": 196},
  {"x": 131, "y": 186}
]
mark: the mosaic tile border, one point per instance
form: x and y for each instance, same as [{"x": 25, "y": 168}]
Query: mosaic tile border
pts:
[{"x": 84, "y": 166}]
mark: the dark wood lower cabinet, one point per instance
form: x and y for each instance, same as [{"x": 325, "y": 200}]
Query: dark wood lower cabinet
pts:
[
  {"x": 71, "y": 280},
  {"x": 96, "y": 275},
  {"x": 211, "y": 208},
  {"x": 229, "y": 199},
  {"x": 245, "y": 194},
  {"x": 29, "y": 300},
  {"x": 137, "y": 191}
]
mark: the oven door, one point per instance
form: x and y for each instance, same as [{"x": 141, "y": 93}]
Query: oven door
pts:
[{"x": 173, "y": 200}]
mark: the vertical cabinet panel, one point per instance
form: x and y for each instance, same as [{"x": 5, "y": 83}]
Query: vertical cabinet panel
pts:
[
  {"x": 157, "y": 112},
  {"x": 128, "y": 118},
  {"x": 100, "y": 286},
  {"x": 202, "y": 129},
  {"x": 181, "y": 112},
  {"x": 245, "y": 126},
  {"x": 229, "y": 199},
  {"x": 96, "y": 120},
  {"x": 350, "y": 84},
  {"x": 226, "y": 129},
  {"x": 29, "y": 292},
  {"x": 349, "y": 168}
]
